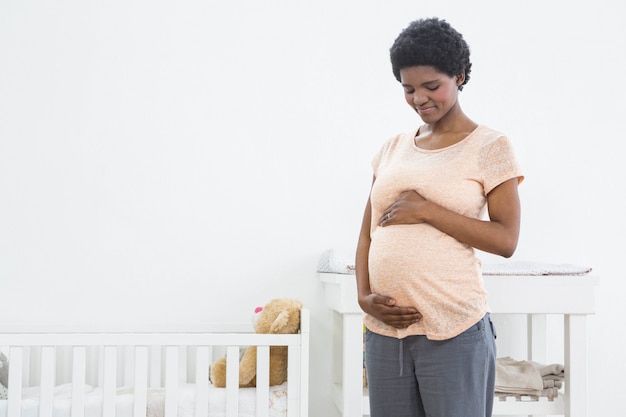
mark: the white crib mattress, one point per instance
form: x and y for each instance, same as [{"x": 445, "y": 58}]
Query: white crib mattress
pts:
[{"x": 156, "y": 398}]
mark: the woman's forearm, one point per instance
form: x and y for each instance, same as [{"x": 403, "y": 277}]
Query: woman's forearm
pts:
[
  {"x": 362, "y": 254},
  {"x": 486, "y": 235},
  {"x": 498, "y": 235}
]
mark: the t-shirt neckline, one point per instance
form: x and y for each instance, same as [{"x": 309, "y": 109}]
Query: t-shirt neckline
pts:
[{"x": 424, "y": 150}]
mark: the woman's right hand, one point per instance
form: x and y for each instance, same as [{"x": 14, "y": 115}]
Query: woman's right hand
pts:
[
  {"x": 379, "y": 306},
  {"x": 384, "y": 309}
]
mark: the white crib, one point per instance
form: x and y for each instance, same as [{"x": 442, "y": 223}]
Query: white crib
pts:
[{"x": 83, "y": 374}]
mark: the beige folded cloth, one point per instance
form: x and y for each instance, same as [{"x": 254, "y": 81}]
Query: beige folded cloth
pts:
[
  {"x": 551, "y": 393},
  {"x": 527, "y": 378},
  {"x": 553, "y": 371},
  {"x": 517, "y": 377},
  {"x": 551, "y": 383}
]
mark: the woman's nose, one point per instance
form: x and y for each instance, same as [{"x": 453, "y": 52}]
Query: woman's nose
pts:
[{"x": 419, "y": 99}]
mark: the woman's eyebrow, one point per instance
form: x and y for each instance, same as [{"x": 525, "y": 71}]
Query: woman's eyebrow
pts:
[{"x": 424, "y": 83}]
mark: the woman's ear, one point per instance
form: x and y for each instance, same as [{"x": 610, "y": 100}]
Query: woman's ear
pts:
[{"x": 460, "y": 79}]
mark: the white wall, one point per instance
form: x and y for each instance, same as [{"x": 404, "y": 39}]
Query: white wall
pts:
[{"x": 185, "y": 161}]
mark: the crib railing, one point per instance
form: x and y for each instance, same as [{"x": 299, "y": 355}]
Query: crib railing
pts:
[{"x": 150, "y": 360}]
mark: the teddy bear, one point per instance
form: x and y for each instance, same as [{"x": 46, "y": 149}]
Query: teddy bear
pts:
[{"x": 279, "y": 316}]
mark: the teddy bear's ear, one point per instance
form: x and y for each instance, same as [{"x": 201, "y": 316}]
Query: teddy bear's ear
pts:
[{"x": 279, "y": 322}]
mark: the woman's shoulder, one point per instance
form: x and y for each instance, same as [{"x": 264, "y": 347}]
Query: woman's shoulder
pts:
[
  {"x": 399, "y": 139},
  {"x": 484, "y": 137},
  {"x": 405, "y": 136},
  {"x": 393, "y": 146},
  {"x": 487, "y": 133}
]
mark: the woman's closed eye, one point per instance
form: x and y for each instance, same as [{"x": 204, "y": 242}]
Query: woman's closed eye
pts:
[{"x": 429, "y": 88}]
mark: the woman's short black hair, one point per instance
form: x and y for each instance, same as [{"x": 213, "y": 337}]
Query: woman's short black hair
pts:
[{"x": 431, "y": 42}]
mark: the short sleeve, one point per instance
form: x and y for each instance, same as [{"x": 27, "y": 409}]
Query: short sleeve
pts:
[
  {"x": 385, "y": 152},
  {"x": 376, "y": 161},
  {"x": 499, "y": 164}
]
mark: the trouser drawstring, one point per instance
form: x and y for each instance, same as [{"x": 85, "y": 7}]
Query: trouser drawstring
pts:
[{"x": 401, "y": 356}]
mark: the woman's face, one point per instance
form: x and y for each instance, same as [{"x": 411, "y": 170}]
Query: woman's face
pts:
[{"x": 432, "y": 94}]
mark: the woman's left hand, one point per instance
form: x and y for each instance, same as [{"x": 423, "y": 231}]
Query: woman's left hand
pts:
[{"x": 406, "y": 209}]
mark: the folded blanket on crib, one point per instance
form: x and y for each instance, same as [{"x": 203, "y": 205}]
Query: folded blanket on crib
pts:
[
  {"x": 533, "y": 268},
  {"x": 526, "y": 378},
  {"x": 336, "y": 261}
]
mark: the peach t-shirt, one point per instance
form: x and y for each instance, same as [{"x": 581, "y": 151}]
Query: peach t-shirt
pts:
[{"x": 417, "y": 264}]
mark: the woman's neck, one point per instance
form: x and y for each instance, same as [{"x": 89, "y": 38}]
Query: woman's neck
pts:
[
  {"x": 445, "y": 132},
  {"x": 455, "y": 121}
]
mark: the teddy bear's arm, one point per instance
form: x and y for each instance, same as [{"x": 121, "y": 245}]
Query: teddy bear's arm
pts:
[
  {"x": 218, "y": 373},
  {"x": 247, "y": 366},
  {"x": 279, "y": 322}
]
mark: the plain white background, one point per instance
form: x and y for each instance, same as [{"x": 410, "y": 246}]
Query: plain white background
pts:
[{"x": 181, "y": 162}]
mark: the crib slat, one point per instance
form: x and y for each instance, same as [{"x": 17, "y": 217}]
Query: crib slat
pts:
[
  {"x": 171, "y": 381},
  {"x": 78, "y": 381},
  {"x": 109, "y": 381},
  {"x": 15, "y": 381},
  {"x": 202, "y": 381},
  {"x": 232, "y": 381},
  {"x": 141, "y": 381},
  {"x": 262, "y": 380},
  {"x": 293, "y": 381},
  {"x": 32, "y": 363},
  {"x": 47, "y": 381},
  {"x": 303, "y": 361}
]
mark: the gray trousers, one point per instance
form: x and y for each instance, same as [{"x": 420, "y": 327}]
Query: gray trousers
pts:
[{"x": 418, "y": 377}]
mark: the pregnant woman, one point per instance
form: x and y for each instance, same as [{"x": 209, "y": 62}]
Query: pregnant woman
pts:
[{"x": 439, "y": 192}]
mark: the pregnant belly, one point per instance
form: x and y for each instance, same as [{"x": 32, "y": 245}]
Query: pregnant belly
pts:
[{"x": 407, "y": 261}]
